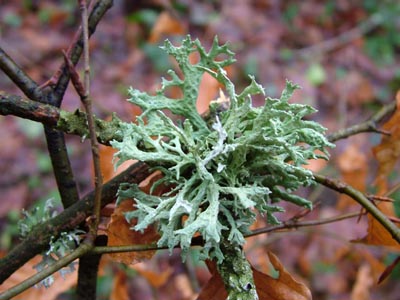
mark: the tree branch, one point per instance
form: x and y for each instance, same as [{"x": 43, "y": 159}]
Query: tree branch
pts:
[
  {"x": 370, "y": 125},
  {"x": 38, "y": 240},
  {"x": 19, "y": 77},
  {"x": 295, "y": 223},
  {"x": 31, "y": 281},
  {"x": 67, "y": 122},
  {"x": 344, "y": 188},
  {"x": 97, "y": 13}
]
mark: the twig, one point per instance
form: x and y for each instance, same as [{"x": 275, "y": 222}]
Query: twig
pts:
[
  {"x": 99, "y": 9},
  {"x": 67, "y": 122},
  {"x": 25, "y": 108},
  {"x": 370, "y": 125},
  {"x": 344, "y": 188},
  {"x": 62, "y": 262},
  {"x": 88, "y": 265},
  {"x": 342, "y": 39},
  {"x": 295, "y": 223},
  {"x": 19, "y": 77},
  {"x": 38, "y": 240}
]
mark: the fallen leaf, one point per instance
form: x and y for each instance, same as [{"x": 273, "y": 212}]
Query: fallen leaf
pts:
[
  {"x": 107, "y": 167},
  {"x": 387, "y": 153},
  {"x": 285, "y": 287},
  {"x": 120, "y": 234},
  {"x": 376, "y": 233}
]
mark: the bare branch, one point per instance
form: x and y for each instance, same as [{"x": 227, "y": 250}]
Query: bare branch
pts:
[
  {"x": 295, "y": 223},
  {"x": 38, "y": 240},
  {"x": 370, "y": 125},
  {"x": 358, "y": 196},
  {"x": 19, "y": 77}
]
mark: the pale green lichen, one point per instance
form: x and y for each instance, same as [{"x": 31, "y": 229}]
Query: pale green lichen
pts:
[
  {"x": 248, "y": 159},
  {"x": 58, "y": 247}
]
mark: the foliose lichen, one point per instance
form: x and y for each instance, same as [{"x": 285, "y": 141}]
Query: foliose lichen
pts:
[{"x": 221, "y": 172}]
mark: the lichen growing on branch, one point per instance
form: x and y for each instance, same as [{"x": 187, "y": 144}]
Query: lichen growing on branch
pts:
[{"x": 222, "y": 172}]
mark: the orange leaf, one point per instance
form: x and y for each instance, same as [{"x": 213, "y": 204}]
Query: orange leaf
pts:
[
  {"x": 388, "y": 151},
  {"x": 120, "y": 233},
  {"x": 377, "y": 234},
  {"x": 268, "y": 288},
  {"x": 389, "y": 269},
  {"x": 387, "y": 154},
  {"x": 119, "y": 230},
  {"x": 283, "y": 288},
  {"x": 106, "y": 163}
]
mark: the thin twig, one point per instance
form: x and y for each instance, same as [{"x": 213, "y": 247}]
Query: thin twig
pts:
[
  {"x": 38, "y": 240},
  {"x": 297, "y": 224},
  {"x": 62, "y": 262},
  {"x": 98, "y": 178},
  {"x": 370, "y": 125},
  {"x": 358, "y": 196},
  {"x": 342, "y": 39}
]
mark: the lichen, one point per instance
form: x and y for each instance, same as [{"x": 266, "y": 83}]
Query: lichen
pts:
[{"x": 222, "y": 172}]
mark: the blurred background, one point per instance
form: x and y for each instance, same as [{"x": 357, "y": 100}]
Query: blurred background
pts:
[{"x": 344, "y": 54}]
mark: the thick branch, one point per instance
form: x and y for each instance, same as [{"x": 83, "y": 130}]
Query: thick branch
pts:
[
  {"x": 19, "y": 77},
  {"x": 28, "y": 109},
  {"x": 67, "y": 122},
  {"x": 70, "y": 218}
]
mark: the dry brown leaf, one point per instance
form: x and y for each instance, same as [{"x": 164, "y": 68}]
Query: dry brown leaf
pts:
[
  {"x": 389, "y": 269},
  {"x": 376, "y": 233},
  {"x": 107, "y": 165},
  {"x": 387, "y": 152},
  {"x": 120, "y": 234},
  {"x": 354, "y": 169},
  {"x": 285, "y": 287},
  {"x": 119, "y": 230},
  {"x": 59, "y": 286},
  {"x": 166, "y": 25}
]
